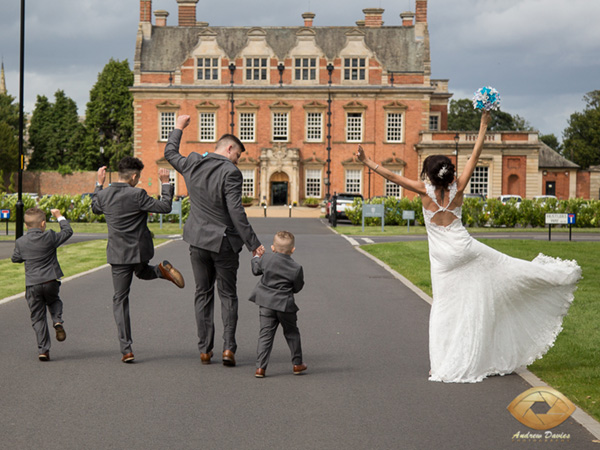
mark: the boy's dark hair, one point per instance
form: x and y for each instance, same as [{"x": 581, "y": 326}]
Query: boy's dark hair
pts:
[
  {"x": 34, "y": 217},
  {"x": 439, "y": 169},
  {"x": 129, "y": 166},
  {"x": 230, "y": 139}
]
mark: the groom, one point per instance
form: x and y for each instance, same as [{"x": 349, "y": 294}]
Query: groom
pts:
[{"x": 216, "y": 229}]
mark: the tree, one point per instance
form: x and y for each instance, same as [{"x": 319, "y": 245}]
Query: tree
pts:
[
  {"x": 551, "y": 141},
  {"x": 109, "y": 115},
  {"x": 463, "y": 117},
  {"x": 54, "y": 133},
  {"x": 9, "y": 111},
  {"x": 9, "y": 131},
  {"x": 581, "y": 139}
]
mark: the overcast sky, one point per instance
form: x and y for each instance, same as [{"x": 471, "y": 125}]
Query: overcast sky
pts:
[{"x": 543, "y": 56}]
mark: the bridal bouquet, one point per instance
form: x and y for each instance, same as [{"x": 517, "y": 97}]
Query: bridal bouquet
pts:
[{"x": 486, "y": 98}]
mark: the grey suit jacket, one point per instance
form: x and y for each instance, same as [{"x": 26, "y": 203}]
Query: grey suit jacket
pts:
[
  {"x": 126, "y": 210},
  {"x": 282, "y": 277},
  {"x": 214, "y": 184},
  {"x": 37, "y": 249}
]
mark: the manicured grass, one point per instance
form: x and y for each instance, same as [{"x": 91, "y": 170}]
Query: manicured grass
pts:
[
  {"x": 397, "y": 230},
  {"x": 167, "y": 228},
  {"x": 573, "y": 364},
  {"x": 73, "y": 259}
]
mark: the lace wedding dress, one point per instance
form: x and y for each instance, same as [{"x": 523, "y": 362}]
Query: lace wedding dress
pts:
[{"x": 491, "y": 313}]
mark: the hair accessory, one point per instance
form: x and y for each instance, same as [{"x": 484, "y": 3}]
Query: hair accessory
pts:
[
  {"x": 443, "y": 171},
  {"x": 486, "y": 98}
]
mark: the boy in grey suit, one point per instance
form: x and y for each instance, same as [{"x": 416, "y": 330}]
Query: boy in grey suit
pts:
[
  {"x": 130, "y": 247},
  {"x": 282, "y": 277},
  {"x": 37, "y": 249}
]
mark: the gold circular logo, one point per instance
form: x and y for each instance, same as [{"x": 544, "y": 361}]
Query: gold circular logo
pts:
[{"x": 558, "y": 407}]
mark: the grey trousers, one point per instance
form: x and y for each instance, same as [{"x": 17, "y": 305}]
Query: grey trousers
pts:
[
  {"x": 269, "y": 320},
  {"x": 221, "y": 267},
  {"x": 39, "y": 297},
  {"x": 122, "y": 275}
]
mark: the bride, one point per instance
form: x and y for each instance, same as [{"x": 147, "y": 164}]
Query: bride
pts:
[{"x": 491, "y": 313}]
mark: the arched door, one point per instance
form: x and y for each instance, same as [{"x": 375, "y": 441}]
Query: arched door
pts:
[{"x": 279, "y": 188}]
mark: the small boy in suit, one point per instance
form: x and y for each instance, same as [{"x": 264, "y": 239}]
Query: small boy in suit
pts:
[
  {"x": 37, "y": 249},
  {"x": 282, "y": 277}
]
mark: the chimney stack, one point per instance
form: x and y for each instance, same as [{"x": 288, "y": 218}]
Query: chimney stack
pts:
[
  {"x": 421, "y": 11},
  {"x": 308, "y": 19},
  {"x": 373, "y": 17},
  {"x": 407, "y": 18},
  {"x": 161, "y": 17},
  {"x": 187, "y": 13},
  {"x": 146, "y": 11}
]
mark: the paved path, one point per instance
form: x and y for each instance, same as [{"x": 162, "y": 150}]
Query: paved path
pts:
[{"x": 364, "y": 336}]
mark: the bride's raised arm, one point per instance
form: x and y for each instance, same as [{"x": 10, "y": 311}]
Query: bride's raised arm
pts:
[
  {"x": 407, "y": 183},
  {"x": 465, "y": 176}
]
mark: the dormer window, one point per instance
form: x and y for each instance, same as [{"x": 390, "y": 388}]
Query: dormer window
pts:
[
  {"x": 355, "y": 69},
  {"x": 256, "y": 69},
  {"x": 208, "y": 69},
  {"x": 305, "y": 69}
]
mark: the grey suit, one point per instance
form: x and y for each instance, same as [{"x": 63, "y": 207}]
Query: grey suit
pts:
[
  {"x": 130, "y": 246},
  {"x": 37, "y": 249},
  {"x": 216, "y": 229},
  {"x": 282, "y": 277}
]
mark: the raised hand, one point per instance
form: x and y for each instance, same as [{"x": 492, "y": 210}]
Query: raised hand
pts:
[
  {"x": 360, "y": 154},
  {"x": 163, "y": 175},
  {"x": 56, "y": 213},
  {"x": 182, "y": 122},
  {"x": 101, "y": 175}
]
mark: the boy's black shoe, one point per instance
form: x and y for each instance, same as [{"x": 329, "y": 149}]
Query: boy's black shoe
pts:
[{"x": 44, "y": 356}]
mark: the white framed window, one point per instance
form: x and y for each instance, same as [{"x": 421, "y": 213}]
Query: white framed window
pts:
[
  {"x": 248, "y": 183},
  {"x": 314, "y": 126},
  {"x": 355, "y": 69},
  {"x": 479, "y": 180},
  {"x": 305, "y": 69},
  {"x": 354, "y": 127},
  {"x": 394, "y": 127},
  {"x": 256, "y": 69},
  {"x": 393, "y": 189},
  {"x": 167, "y": 124},
  {"x": 207, "y": 126},
  {"x": 207, "y": 69},
  {"x": 434, "y": 122},
  {"x": 280, "y": 126},
  {"x": 313, "y": 183},
  {"x": 247, "y": 126},
  {"x": 353, "y": 181}
]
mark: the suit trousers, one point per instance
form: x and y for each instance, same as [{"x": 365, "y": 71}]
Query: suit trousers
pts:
[
  {"x": 269, "y": 320},
  {"x": 122, "y": 275},
  {"x": 39, "y": 297},
  {"x": 221, "y": 267}
]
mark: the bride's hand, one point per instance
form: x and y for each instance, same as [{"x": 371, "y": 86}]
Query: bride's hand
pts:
[{"x": 360, "y": 154}]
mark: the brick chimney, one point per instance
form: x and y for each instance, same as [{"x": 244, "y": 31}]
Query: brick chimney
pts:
[
  {"x": 308, "y": 19},
  {"x": 146, "y": 11},
  {"x": 161, "y": 17},
  {"x": 421, "y": 11},
  {"x": 373, "y": 17},
  {"x": 187, "y": 13},
  {"x": 407, "y": 18}
]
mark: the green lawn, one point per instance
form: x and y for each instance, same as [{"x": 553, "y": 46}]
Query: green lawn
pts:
[
  {"x": 167, "y": 228},
  {"x": 397, "y": 230},
  {"x": 73, "y": 259},
  {"x": 573, "y": 364}
]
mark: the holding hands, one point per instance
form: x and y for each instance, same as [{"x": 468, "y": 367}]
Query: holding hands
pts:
[{"x": 259, "y": 251}]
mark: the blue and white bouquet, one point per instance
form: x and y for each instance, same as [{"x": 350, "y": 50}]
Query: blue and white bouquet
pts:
[{"x": 486, "y": 98}]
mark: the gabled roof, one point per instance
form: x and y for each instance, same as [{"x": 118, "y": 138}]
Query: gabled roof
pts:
[
  {"x": 395, "y": 47},
  {"x": 550, "y": 159}
]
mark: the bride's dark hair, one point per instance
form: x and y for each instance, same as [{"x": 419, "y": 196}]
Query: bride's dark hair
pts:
[{"x": 439, "y": 169}]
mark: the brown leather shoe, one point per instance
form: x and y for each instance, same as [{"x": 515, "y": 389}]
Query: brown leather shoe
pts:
[
  {"x": 205, "y": 357},
  {"x": 61, "y": 334},
  {"x": 171, "y": 273},
  {"x": 228, "y": 358},
  {"x": 44, "y": 356},
  {"x": 260, "y": 373},
  {"x": 128, "y": 358},
  {"x": 299, "y": 368}
]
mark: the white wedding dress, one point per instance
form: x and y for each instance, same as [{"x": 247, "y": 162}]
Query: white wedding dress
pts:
[{"x": 491, "y": 313}]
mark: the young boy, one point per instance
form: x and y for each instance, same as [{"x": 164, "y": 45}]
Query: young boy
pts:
[
  {"x": 37, "y": 249},
  {"x": 282, "y": 277}
]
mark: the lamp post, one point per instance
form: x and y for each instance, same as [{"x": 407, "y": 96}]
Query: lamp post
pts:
[
  {"x": 329, "y": 71},
  {"x": 19, "y": 207},
  {"x": 231, "y": 99},
  {"x": 280, "y": 68}
]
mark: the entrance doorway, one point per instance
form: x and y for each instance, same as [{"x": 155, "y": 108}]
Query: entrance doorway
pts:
[
  {"x": 550, "y": 188},
  {"x": 279, "y": 189}
]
